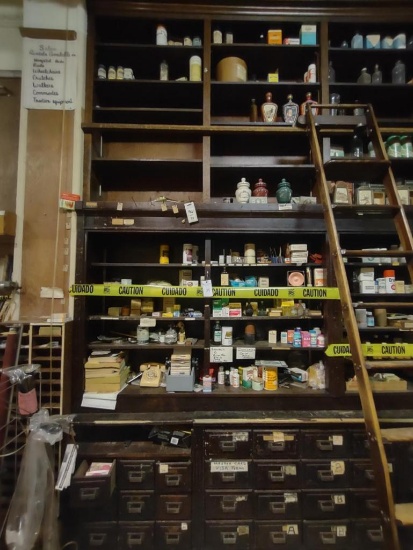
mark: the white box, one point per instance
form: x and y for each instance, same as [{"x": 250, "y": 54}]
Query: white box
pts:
[
  {"x": 366, "y": 274},
  {"x": 272, "y": 336},
  {"x": 263, "y": 282},
  {"x": 367, "y": 287},
  {"x": 298, "y": 248}
]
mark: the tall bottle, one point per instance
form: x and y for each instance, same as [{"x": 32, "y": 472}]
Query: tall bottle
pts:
[
  {"x": 398, "y": 74},
  {"x": 253, "y": 111},
  {"x": 224, "y": 277},
  {"x": 309, "y": 102},
  {"x": 377, "y": 76},
  {"x": 331, "y": 72},
  {"x": 217, "y": 334},
  {"x": 163, "y": 71}
]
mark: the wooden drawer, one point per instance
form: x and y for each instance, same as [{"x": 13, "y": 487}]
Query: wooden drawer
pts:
[
  {"x": 278, "y": 535},
  {"x": 277, "y": 504},
  {"x": 91, "y": 491},
  {"x": 102, "y": 535},
  {"x": 365, "y": 504},
  {"x": 221, "y": 535},
  {"x": 173, "y": 476},
  {"x": 173, "y": 507},
  {"x": 326, "y": 505},
  {"x": 280, "y": 474},
  {"x": 228, "y": 504},
  {"x": 136, "y": 474},
  {"x": 173, "y": 534},
  {"x": 136, "y": 535},
  {"x": 368, "y": 535},
  {"x": 136, "y": 505},
  {"x": 276, "y": 443},
  {"x": 325, "y": 443},
  {"x": 228, "y": 474},
  {"x": 324, "y": 474},
  {"x": 228, "y": 444},
  {"x": 327, "y": 534}
]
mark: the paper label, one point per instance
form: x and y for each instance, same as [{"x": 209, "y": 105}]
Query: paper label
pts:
[
  {"x": 337, "y": 439},
  {"x": 338, "y": 467},
  {"x": 222, "y": 466},
  {"x": 163, "y": 468},
  {"x": 339, "y": 499}
]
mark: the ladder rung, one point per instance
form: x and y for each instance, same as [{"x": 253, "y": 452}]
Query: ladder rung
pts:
[
  {"x": 401, "y": 364},
  {"x": 377, "y": 253},
  {"x": 391, "y": 435},
  {"x": 404, "y": 513}
]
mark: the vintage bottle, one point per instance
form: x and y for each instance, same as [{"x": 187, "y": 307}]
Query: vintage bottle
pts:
[
  {"x": 163, "y": 71},
  {"x": 357, "y": 40},
  {"x": 249, "y": 310},
  {"x": 284, "y": 192},
  {"x": 161, "y": 36},
  {"x": 260, "y": 189},
  {"x": 377, "y": 76},
  {"x": 195, "y": 68},
  {"x": 269, "y": 109},
  {"x": 309, "y": 102},
  {"x": 243, "y": 192},
  {"x": 398, "y": 74},
  {"x": 253, "y": 111},
  {"x": 364, "y": 77},
  {"x": 290, "y": 111},
  {"x": 357, "y": 145}
]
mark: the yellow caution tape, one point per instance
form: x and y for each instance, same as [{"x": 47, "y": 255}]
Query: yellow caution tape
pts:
[{"x": 372, "y": 350}]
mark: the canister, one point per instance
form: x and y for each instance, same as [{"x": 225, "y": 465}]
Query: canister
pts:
[
  {"x": 161, "y": 36},
  {"x": 389, "y": 276},
  {"x": 195, "y": 68},
  {"x": 270, "y": 378},
  {"x": 227, "y": 336},
  {"x": 232, "y": 69}
]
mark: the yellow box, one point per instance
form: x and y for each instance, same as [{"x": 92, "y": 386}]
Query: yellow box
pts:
[
  {"x": 275, "y": 36},
  {"x": 272, "y": 77},
  {"x": 7, "y": 223}
]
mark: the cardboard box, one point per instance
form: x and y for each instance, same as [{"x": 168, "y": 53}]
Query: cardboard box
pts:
[
  {"x": 378, "y": 386},
  {"x": 308, "y": 35},
  {"x": 274, "y": 36},
  {"x": 7, "y": 223},
  {"x": 180, "y": 382}
]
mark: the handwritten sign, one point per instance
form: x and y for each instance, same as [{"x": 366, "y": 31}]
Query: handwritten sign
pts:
[
  {"x": 245, "y": 353},
  {"x": 49, "y": 69},
  {"x": 221, "y": 354}
]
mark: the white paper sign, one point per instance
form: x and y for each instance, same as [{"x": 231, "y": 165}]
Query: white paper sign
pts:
[
  {"x": 49, "y": 68},
  {"x": 221, "y": 354},
  {"x": 222, "y": 466},
  {"x": 245, "y": 353}
]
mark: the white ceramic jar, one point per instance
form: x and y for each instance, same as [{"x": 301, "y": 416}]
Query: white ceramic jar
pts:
[{"x": 243, "y": 192}]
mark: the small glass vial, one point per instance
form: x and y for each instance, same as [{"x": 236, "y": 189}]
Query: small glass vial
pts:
[
  {"x": 187, "y": 41},
  {"x": 161, "y": 36},
  {"x": 102, "y": 72},
  {"x": 221, "y": 375},
  {"x": 229, "y": 37},
  {"x": 111, "y": 73},
  {"x": 235, "y": 379},
  {"x": 195, "y": 69},
  {"x": 197, "y": 41},
  {"x": 163, "y": 71}
]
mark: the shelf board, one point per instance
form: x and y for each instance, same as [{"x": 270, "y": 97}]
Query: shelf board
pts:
[
  {"x": 365, "y": 169},
  {"x": 135, "y": 318},
  {"x": 200, "y": 344}
]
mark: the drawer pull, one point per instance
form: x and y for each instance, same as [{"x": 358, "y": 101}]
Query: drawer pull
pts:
[
  {"x": 229, "y": 538},
  {"x": 172, "y": 538},
  {"x": 228, "y": 504},
  {"x": 173, "y": 480},
  {"x": 136, "y": 477},
  {"x": 369, "y": 475},
  {"x": 135, "y": 507},
  {"x": 89, "y": 493},
  {"x": 173, "y": 507},
  {"x": 325, "y": 475},
  {"x": 277, "y": 507},
  {"x": 276, "y": 446},
  {"x": 324, "y": 445},
  {"x": 278, "y": 538},
  {"x": 276, "y": 475},
  {"x": 326, "y": 505},
  {"x": 328, "y": 538},
  {"x": 372, "y": 504},
  {"x": 97, "y": 539},
  {"x": 375, "y": 535},
  {"x": 228, "y": 477},
  {"x": 228, "y": 446},
  {"x": 135, "y": 539}
]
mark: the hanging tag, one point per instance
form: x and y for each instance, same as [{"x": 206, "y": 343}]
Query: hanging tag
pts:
[
  {"x": 207, "y": 288},
  {"x": 164, "y": 208},
  {"x": 191, "y": 212},
  {"x": 175, "y": 209}
]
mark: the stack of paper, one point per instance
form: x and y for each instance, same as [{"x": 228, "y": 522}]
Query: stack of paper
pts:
[{"x": 106, "y": 373}]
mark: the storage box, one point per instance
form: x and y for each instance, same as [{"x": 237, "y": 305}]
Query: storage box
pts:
[
  {"x": 7, "y": 223},
  {"x": 274, "y": 36},
  {"x": 378, "y": 385},
  {"x": 308, "y": 35},
  {"x": 180, "y": 382}
]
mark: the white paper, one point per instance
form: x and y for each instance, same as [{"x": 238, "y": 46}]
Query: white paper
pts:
[
  {"x": 245, "y": 353},
  {"x": 221, "y": 354}
]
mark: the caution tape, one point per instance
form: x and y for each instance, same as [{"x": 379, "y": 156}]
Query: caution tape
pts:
[
  {"x": 156, "y": 291},
  {"x": 372, "y": 350}
]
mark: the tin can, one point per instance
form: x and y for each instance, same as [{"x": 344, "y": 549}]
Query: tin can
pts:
[{"x": 270, "y": 378}]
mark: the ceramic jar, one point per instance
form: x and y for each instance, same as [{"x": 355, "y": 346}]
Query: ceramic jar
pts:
[
  {"x": 243, "y": 192},
  {"x": 260, "y": 189},
  {"x": 284, "y": 192}
]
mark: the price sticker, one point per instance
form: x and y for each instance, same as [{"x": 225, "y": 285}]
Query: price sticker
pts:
[
  {"x": 119, "y": 206},
  {"x": 337, "y": 440},
  {"x": 287, "y": 206},
  {"x": 163, "y": 468},
  {"x": 191, "y": 212},
  {"x": 338, "y": 467},
  {"x": 341, "y": 530}
]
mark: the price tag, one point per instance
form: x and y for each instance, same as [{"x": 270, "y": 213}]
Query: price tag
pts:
[
  {"x": 207, "y": 288},
  {"x": 184, "y": 526},
  {"x": 191, "y": 212},
  {"x": 119, "y": 206},
  {"x": 341, "y": 530},
  {"x": 287, "y": 206},
  {"x": 175, "y": 209},
  {"x": 339, "y": 499},
  {"x": 338, "y": 467},
  {"x": 337, "y": 440},
  {"x": 163, "y": 468}
]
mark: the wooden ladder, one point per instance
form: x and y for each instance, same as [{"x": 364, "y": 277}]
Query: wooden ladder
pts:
[{"x": 321, "y": 125}]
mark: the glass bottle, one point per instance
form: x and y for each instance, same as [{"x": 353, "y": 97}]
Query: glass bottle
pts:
[
  {"x": 102, "y": 72},
  {"x": 357, "y": 40},
  {"x": 357, "y": 146},
  {"x": 331, "y": 72},
  {"x": 224, "y": 277},
  {"x": 260, "y": 189},
  {"x": 217, "y": 334},
  {"x": 284, "y": 192},
  {"x": 377, "y": 76},
  {"x": 398, "y": 74},
  {"x": 253, "y": 111},
  {"x": 161, "y": 35},
  {"x": 171, "y": 336},
  {"x": 262, "y": 312},
  {"x": 365, "y": 77},
  {"x": 290, "y": 111},
  {"x": 243, "y": 192},
  {"x": 269, "y": 109},
  {"x": 248, "y": 309},
  {"x": 163, "y": 71},
  {"x": 309, "y": 102}
]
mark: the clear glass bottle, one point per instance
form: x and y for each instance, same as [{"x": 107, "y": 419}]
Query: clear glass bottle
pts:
[
  {"x": 365, "y": 77},
  {"x": 163, "y": 71},
  {"x": 377, "y": 76},
  {"x": 398, "y": 74},
  {"x": 357, "y": 145},
  {"x": 171, "y": 336}
]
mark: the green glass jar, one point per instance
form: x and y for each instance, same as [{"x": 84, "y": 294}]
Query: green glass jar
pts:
[
  {"x": 406, "y": 147},
  {"x": 393, "y": 147},
  {"x": 284, "y": 192}
]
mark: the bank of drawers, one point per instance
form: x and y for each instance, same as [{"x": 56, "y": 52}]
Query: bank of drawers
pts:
[
  {"x": 295, "y": 488},
  {"x": 150, "y": 508}
]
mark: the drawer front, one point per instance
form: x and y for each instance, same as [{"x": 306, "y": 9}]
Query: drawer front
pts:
[
  {"x": 327, "y": 534},
  {"x": 277, "y": 535},
  {"x": 280, "y": 474},
  {"x": 136, "y": 475},
  {"x": 228, "y": 505},
  {"x": 365, "y": 504},
  {"x": 368, "y": 535},
  {"x": 102, "y": 535},
  {"x": 172, "y": 507},
  {"x": 324, "y": 474},
  {"x": 228, "y": 444},
  {"x": 362, "y": 474},
  {"x": 276, "y": 444},
  {"x": 325, "y": 443},
  {"x": 277, "y": 504},
  {"x": 173, "y": 534},
  {"x": 136, "y": 505},
  {"x": 136, "y": 536},
  {"x": 360, "y": 445},
  {"x": 90, "y": 494},
  {"x": 326, "y": 505},
  {"x": 228, "y": 474},
  {"x": 221, "y": 535},
  {"x": 173, "y": 476}
]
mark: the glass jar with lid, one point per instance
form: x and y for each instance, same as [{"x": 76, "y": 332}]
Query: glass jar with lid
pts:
[
  {"x": 406, "y": 147},
  {"x": 393, "y": 147},
  {"x": 142, "y": 335}
]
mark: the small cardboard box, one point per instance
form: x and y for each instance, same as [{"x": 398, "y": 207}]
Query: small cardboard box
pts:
[
  {"x": 180, "y": 382},
  {"x": 275, "y": 36},
  {"x": 7, "y": 223},
  {"x": 308, "y": 35}
]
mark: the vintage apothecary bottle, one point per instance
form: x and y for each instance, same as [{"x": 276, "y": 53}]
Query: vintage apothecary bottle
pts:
[
  {"x": 284, "y": 192},
  {"x": 269, "y": 109},
  {"x": 195, "y": 69},
  {"x": 357, "y": 145},
  {"x": 243, "y": 192},
  {"x": 365, "y": 77},
  {"x": 102, "y": 72},
  {"x": 309, "y": 102},
  {"x": 253, "y": 111},
  {"x": 260, "y": 189},
  {"x": 406, "y": 147},
  {"x": 377, "y": 76},
  {"x": 161, "y": 35},
  {"x": 398, "y": 74},
  {"x": 393, "y": 147},
  {"x": 290, "y": 111}
]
